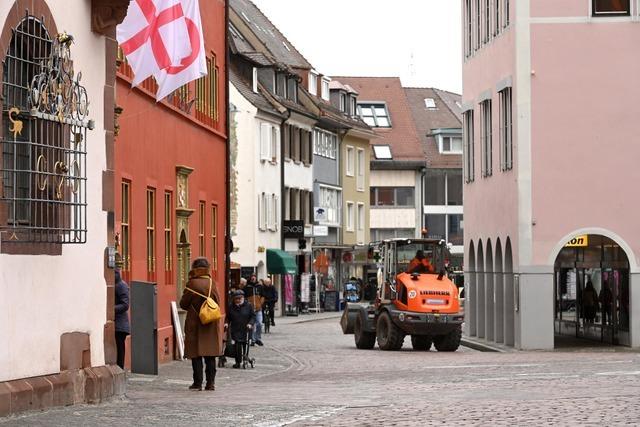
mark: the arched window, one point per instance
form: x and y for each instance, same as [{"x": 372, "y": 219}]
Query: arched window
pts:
[{"x": 43, "y": 140}]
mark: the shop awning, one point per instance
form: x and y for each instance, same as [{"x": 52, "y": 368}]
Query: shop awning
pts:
[{"x": 280, "y": 262}]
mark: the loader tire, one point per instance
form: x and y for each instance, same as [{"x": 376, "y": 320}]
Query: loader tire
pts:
[
  {"x": 364, "y": 340},
  {"x": 448, "y": 342},
  {"x": 421, "y": 342},
  {"x": 344, "y": 322},
  {"x": 390, "y": 337}
]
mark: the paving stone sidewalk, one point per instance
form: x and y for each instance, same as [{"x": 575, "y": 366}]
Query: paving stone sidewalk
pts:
[{"x": 309, "y": 374}]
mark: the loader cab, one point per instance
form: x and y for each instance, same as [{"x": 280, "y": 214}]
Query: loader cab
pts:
[{"x": 399, "y": 256}]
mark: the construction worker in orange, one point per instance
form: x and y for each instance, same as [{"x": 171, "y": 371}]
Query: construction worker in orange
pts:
[{"x": 420, "y": 264}]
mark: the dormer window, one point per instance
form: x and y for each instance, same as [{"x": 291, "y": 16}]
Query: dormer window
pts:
[
  {"x": 343, "y": 102},
  {"x": 375, "y": 114},
  {"x": 281, "y": 85},
  {"x": 313, "y": 83},
  {"x": 326, "y": 95},
  {"x": 353, "y": 110},
  {"x": 382, "y": 152},
  {"x": 254, "y": 80},
  {"x": 430, "y": 103},
  {"x": 450, "y": 145},
  {"x": 292, "y": 89}
]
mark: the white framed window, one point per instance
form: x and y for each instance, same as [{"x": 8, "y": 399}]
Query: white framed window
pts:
[
  {"x": 382, "y": 152},
  {"x": 430, "y": 103},
  {"x": 350, "y": 216},
  {"x": 360, "y": 169},
  {"x": 313, "y": 82},
  {"x": 469, "y": 146},
  {"x": 343, "y": 102},
  {"x": 326, "y": 94},
  {"x": 330, "y": 200},
  {"x": 375, "y": 114},
  {"x": 486, "y": 140},
  {"x": 325, "y": 144},
  {"x": 450, "y": 144},
  {"x": 506, "y": 130},
  {"x": 273, "y": 212},
  {"x": 269, "y": 142},
  {"x": 350, "y": 161},
  {"x": 254, "y": 81},
  {"x": 361, "y": 220}
]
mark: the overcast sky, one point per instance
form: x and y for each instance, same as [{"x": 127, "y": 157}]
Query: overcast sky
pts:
[{"x": 417, "y": 40}]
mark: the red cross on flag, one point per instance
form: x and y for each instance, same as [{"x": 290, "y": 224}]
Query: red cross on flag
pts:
[{"x": 163, "y": 38}]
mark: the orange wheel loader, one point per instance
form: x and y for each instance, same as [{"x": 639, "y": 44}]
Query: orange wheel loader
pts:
[{"x": 414, "y": 297}]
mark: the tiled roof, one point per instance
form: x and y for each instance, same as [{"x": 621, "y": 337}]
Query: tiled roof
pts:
[
  {"x": 402, "y": 137},
  {"x": 281, "y": 48},
  {"x": 446, "y": 115}
]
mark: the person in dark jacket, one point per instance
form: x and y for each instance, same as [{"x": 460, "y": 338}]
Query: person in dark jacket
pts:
[
  {"x": 201, "y": 341},
  {"x": 253, "y": 294},
  {"x": 240, "y": 320},
  {"x": 270, "y": 294},
  {"x": 122, "y": 317}
]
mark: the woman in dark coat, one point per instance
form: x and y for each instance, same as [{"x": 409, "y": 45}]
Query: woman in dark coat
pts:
[
  {"x": 201, "y": 341},
  {"x": 240, "y": 319},
  {"x": 122, "y": 317}
]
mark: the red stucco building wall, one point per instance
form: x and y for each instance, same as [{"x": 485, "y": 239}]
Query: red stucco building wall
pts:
[{"x": 153, "y": 140}]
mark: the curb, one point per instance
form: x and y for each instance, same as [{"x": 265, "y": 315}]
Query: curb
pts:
[
  {"x": 475, "y": 345},
  {"x": 337, "y": 316}
]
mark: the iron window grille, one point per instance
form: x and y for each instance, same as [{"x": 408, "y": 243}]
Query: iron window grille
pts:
[{"x": 43, "y": 191}]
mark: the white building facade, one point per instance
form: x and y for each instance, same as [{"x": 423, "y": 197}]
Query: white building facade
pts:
[
  {"x": 259, "y": 184},
  {"x": 56, "y": 195}
]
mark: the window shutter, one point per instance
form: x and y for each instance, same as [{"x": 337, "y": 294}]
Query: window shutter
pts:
[
  {"x": 275, "y": 143},
  {"x": 275, "y": 212},
  {"x": 265, "y": 139},
  {"x": 259, "y": 211}
]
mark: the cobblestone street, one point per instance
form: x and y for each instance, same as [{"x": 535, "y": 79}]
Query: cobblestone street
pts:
[{"x": 309, "y": 374}]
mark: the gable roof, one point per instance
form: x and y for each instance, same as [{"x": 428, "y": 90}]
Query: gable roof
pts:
[
  {"x": 446, "y": 115},
  {"x": 402, "y": 137},
  {"x": 269, "y": 35}
]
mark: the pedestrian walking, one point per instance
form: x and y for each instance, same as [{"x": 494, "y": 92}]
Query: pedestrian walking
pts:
[
  {"x": 253, "y": 293},
  {"x": 122, "y": 317},
  {"x": 270, "y": 294},
  {"x": 201, "y": 342},
  {"x": 240, "y": 320}
]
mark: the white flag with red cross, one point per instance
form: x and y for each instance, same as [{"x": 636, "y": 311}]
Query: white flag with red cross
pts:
[{"x": 163, "y": 38}]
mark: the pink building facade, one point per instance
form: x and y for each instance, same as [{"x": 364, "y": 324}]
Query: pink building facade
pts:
[{"x": 551, "y": 231}]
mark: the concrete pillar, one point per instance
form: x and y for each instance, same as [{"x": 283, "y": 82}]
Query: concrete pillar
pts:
[
  {"x": 469, "y": 301},
  {"x": 534, "y": 299},
  {"x": 634, "y": 309},
  {"x": 499, "y": 307}
]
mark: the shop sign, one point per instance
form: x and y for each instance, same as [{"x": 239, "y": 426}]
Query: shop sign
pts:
[
  {"x": 320, "y": 231},
  {"x": 293, "y": 229},
  {"x": 578, "y": 242}
]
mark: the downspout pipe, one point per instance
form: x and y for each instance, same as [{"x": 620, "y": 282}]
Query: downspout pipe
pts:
[{"x": 283, "y": 204}]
